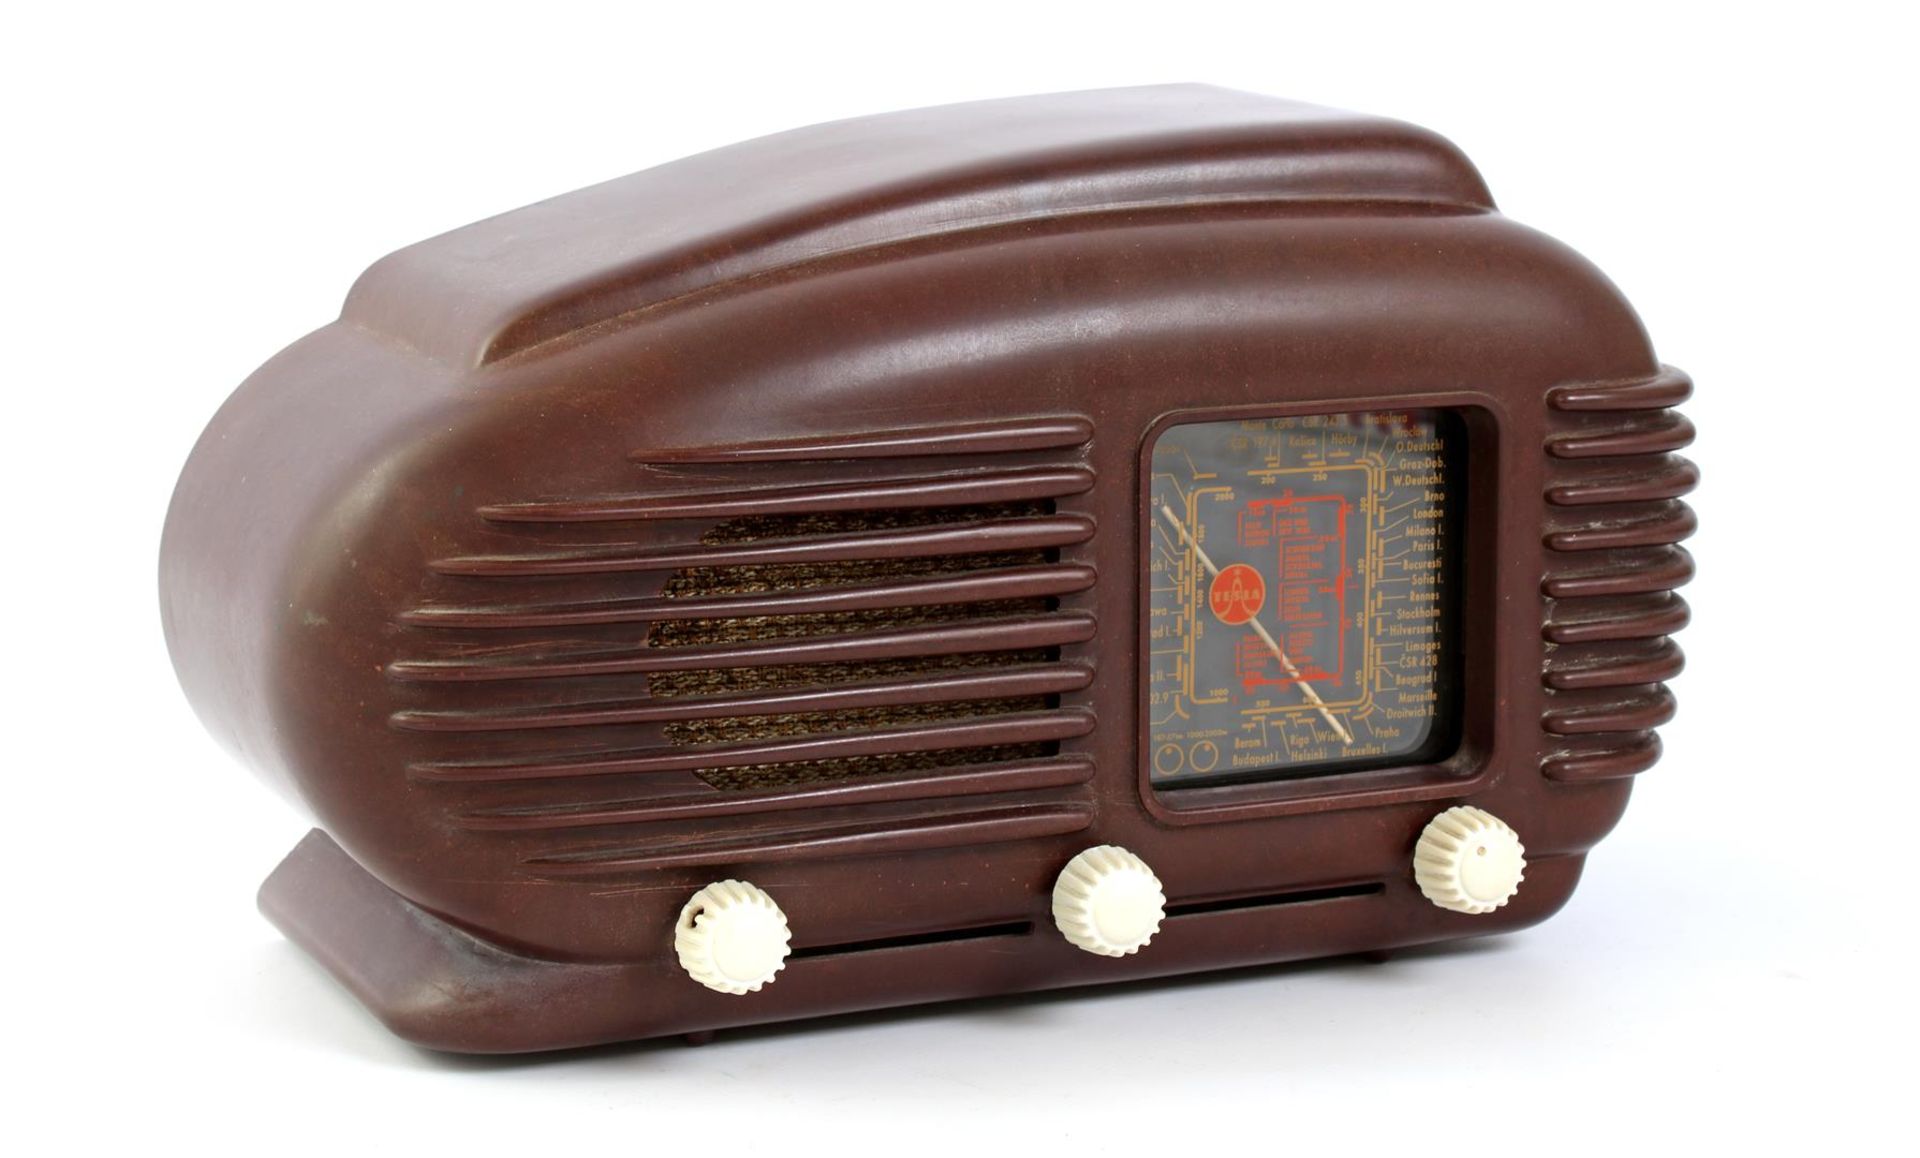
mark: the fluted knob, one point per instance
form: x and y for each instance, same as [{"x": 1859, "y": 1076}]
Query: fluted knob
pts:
[
  {"x": 1107, "y": 901},
  {"x": 1469, "y": 860},
  {"x": 731, "y": 937}
]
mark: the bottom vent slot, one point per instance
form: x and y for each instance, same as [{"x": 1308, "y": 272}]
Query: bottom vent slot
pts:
[
  {"x": 1274, "y": 900},
  {"x": 1025, "y": 928},
  {"x": 944, "y": 936}
]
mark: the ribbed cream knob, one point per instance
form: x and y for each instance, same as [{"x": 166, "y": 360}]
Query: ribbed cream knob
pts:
[
  {"x": 731, "y": 937},
  {"x": 1469, "y": 860},
  {"x": 1107, "y": 901}
]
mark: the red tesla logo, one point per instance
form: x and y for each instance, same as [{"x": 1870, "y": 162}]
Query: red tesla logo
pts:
[{"x": 1237, "y": 593}]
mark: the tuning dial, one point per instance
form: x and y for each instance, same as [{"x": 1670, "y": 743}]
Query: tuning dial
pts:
[
  {"x": 1107, "y": 901},
  {"x": 731, "y": 937},
  {"x": 1469, "y": 861}
]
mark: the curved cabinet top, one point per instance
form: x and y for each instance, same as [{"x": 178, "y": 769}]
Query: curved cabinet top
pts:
[{"x": 507, "y": 284}]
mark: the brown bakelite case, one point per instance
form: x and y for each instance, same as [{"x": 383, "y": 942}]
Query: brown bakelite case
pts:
[{"x": 774, "y": 515}]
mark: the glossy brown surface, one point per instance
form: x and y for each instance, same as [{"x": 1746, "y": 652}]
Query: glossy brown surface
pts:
[{"x": 773, "y": 514}]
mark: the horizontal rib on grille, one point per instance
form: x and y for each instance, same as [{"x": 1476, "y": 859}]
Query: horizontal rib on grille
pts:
[
  {"x": 848, "y": 630},
  {"x": 708, "y": 582},
  {"x": 1613, "y": 529}
]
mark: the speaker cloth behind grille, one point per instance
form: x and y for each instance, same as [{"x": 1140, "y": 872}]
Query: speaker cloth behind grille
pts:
[{"x": 702, "y": 582}]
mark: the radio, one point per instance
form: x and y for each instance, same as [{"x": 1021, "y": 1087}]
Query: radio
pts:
[{"x": 974, "y": 550}]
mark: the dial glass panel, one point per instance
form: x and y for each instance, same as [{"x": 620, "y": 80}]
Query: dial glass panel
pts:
[{"x": 1302, "y": 599}]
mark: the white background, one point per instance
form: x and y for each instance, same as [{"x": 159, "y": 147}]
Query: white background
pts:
[{"x": 188, "y": 189}]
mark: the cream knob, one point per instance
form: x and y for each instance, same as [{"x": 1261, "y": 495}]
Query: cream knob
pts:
[
  {"x": 731, "y": 937},
  {"x": 1469, "y": 861},
  {"x": 1107, "y": 901}
]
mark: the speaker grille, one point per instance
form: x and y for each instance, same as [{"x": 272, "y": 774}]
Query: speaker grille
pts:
[
  {"x": 712, "y": 582},
  {"x": 865, "y": 643}
]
